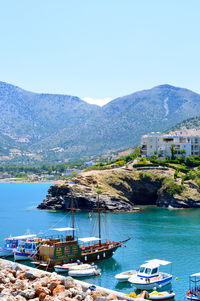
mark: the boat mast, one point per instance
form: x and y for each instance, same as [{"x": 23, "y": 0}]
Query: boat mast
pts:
[
  {"x": 72, "y": 211},
  {"x": 99, "y": 221},
  {"x": 98, "y": 191}
]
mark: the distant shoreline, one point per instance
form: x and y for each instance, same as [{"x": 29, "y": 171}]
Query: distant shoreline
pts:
[{"x": 23, "y": 181}]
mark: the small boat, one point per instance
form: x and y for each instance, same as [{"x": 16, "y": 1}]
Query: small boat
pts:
[
  {"x": 84, "y": 272},
  {"x": 11, "y": 244},
  {"x": 27, "y": 250},
  {"x": 149, "y": 277},
  {"x": 193, "y": 293},
  {"x": 65, "y": 267},
  {"x": 122, "y": 277},
  {"x": 84, "y": 266},
  {"x": 72, "y": 266},
  {"x": 161, "y": 295}
]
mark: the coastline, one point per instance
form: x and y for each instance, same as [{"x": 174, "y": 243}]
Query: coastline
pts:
[{"x": 23, "y": 181}]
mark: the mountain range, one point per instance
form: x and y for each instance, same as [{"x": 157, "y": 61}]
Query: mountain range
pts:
[{"x": 62, "y": 126}]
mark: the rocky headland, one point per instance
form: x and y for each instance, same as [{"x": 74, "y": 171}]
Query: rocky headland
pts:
[{"x": 123, "y": 189}]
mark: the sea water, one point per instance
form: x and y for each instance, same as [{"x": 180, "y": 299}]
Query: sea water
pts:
[{"x": 171, "y": 235}]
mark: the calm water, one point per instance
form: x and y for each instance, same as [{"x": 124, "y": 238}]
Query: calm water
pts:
[{"x": 155, "y": 233}]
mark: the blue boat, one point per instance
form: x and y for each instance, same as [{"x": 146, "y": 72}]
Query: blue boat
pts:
[
  {"x": 148, "y": 276},
  {"x": 12, "y": 243},
  {"x": 26, "y": 250},
  {"x": 193, "y": 293}
]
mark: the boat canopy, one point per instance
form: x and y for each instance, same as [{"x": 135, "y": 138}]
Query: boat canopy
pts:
[
  {"x": 150, "y": 265},
  {"x": 195, "y": 275},
  {"x": 158, "y": 261},
  {"x": 21, "y": 237},
  {"x": 62, "y": 229},
  {"x": 88, "y": 239}
]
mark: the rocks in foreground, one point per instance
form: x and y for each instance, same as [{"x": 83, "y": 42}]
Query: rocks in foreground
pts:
[{"x": 21, "y": 284}]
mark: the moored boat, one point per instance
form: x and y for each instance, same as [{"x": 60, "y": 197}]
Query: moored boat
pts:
[
  {"x": 193, "y": 293},
  {"x": 72, "y": 266},
  {"x": 161, "y": 295},
  {"x": 26, "y": 250},
  {"x": 68, "y": 249},
  {"x": 65, "y": 267},
  {"x": 124, "y": 276},
  {"x": 149, "y": 277},
  {"x": 84, "y": 272},
  {"x": 12, "y": 243}
]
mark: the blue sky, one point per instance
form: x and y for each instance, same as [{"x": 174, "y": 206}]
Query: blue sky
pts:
[{"x": 99, "y": 48}]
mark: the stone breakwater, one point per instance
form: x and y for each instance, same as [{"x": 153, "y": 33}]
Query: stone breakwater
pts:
[{"x": 21, "y": 283}]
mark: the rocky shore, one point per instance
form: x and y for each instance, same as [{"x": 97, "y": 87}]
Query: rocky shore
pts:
[
  {"x": 123, "y": 189},
  {"x": 21, "y": 283}
]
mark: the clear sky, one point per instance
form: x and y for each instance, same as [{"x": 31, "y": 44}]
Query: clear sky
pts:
[{"x": 99, "y": 48}]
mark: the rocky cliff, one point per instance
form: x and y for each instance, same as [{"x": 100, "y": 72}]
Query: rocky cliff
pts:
[{"x": 123, "y": 188}]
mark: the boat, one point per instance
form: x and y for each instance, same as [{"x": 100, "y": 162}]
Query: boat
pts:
[
  {"x": 122, "y": 277},
  {"x": 71, "y": 266},
  {"x": 12, "y": 243},
  {"x": 194, "y": 287},
  {"x": 64, "y": 268},
  {"x": 149, "y": 277},
  {"x": 161, "y": 295},
  {"x": 68, "y": 248},
  {"x": 26, "y": 250},
  {"x": 84, "y": 272}
]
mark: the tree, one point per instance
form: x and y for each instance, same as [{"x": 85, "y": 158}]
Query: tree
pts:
[{"x": 173, "y": 152}]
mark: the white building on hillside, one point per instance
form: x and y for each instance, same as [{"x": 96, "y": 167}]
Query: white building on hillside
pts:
[{"x": 187, "y": 140}]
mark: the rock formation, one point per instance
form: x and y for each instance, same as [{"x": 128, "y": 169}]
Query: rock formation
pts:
[{"x": 122, "y": 188}]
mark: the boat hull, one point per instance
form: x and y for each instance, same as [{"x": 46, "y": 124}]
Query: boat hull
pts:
[
  {"x": 85, "y": 257},
  {"x": 153, "y": 284},
  {"x": 166, "y": 296},
  {"x": 22, "y": 256},
  {"x": 193, "y": 298},
  {"x": 5, "y": 253},
  {"x": 64, "y": 268},
  {"x": 99, "y": 255},
  {"x": 83, "y": 273}
]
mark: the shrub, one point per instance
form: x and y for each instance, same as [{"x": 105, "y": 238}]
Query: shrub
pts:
[
  {"x": 145, "y": 176},
  {"x": 171, "y": 188},
  {"x": 120, "y": 163},
  {"x": 176, "y": 173}
]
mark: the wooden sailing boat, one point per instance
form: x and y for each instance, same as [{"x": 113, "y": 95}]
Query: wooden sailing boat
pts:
[{"x": 51, "y": 252}]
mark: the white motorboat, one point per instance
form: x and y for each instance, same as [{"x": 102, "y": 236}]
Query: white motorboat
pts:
[
  {"x": 11, "y": 244},
  {"x": 149, "y": 277},
  {"x": 193, "y": 293},
  {"x": 122, "y": 277},
  {"x": 65, "y": 267},
  {"x": 85, "y": 266},
  {"x": 84, "y": 272},
  {"x": 161, "y": 295},
  {"x": 73, "y": 266}
]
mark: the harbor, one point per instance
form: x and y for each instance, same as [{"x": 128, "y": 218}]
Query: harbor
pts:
[{"x": 155, "y": 233}]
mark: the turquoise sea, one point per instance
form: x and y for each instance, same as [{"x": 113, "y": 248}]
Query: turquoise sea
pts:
[{"x": 155, "y": 233}]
